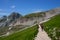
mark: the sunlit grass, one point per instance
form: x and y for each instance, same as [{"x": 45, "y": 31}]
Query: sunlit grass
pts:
[{"x": 52, "y": 27}]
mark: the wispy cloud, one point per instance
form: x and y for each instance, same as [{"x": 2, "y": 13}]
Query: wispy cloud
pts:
[
  {"x": 37, "y": 10},
  {"x": 0, "y": 9},
  {"x": 13, "y": 6}
]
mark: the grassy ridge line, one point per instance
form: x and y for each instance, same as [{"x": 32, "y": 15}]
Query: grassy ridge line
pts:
[
  {"x": 27, "y": 34},
  {"x": 24, "y": 28}
]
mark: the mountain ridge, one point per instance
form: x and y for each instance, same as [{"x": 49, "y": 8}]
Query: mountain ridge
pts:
[{"x": 15, "y": 19}]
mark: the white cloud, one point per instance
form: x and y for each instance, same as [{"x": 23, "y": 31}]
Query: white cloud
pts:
[
  {"x": 13, "y": 6},
  {"x": 37, "y": 10}
]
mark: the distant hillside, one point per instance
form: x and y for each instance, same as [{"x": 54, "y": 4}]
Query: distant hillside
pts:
[{"x": 52, "y": 27}]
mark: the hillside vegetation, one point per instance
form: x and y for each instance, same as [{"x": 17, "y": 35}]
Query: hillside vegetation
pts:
[
  {"x": 38, "y": 14},
  {"x": 27, "y": 34},
  {"x": 52, "y": 27}
]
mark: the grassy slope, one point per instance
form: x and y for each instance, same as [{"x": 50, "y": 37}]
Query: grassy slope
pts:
[
  {"x": 27, "y": 34},
  {"x": 52, "y": 27}
]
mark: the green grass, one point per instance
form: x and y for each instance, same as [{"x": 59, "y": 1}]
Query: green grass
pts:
[
  {"x": 52, "y": 27},
  {"x": 27, "y": 34}
]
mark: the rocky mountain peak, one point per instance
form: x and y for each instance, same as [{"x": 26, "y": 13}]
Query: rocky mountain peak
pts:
[{"x": 14, "y": 15}]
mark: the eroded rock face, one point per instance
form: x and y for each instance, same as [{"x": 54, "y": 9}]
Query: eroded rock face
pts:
[
  {"x": 52, "y": 12},
  {"x": 39, "y": 16},
  {"x": 7, "y": 20}
]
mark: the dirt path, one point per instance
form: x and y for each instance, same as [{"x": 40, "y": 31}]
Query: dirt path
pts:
[{"x": 42, "y": 35}]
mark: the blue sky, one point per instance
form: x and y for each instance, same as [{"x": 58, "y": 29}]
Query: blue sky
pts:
[{"x": 26, "y": 6}]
